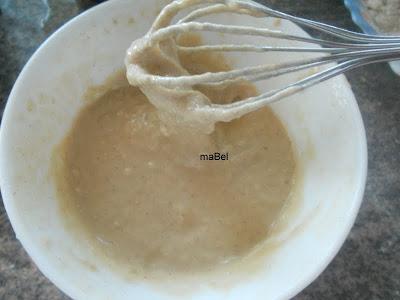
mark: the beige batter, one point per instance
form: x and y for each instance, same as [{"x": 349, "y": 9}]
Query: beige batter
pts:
[{"x": 147, "y": 201}]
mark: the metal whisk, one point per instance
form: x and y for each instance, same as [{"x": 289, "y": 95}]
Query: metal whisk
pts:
[{"x": 347, "y": 49}]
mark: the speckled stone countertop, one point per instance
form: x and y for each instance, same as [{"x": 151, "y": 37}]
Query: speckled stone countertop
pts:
[{"x": 367, "y": 266}]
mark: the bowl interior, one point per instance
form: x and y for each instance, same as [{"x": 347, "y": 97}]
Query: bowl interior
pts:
[{"x": 324, "y": 123}]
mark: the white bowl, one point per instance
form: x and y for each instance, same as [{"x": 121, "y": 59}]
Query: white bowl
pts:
[{"x": 324, "y": 123}]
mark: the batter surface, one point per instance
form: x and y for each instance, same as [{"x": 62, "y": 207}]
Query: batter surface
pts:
[{"x": 145, "y": 199}]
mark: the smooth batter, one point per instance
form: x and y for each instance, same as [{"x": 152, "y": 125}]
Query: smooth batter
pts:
[{"x": 145, "y": 199}]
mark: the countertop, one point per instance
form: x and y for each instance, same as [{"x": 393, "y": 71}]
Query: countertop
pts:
[{"x": 368, "y": 264}]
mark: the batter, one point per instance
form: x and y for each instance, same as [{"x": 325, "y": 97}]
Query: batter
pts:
[{"x": 144, "y": 198}]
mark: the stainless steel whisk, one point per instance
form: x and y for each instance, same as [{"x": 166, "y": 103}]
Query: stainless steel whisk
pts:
[{"x": 347, "y": 49}]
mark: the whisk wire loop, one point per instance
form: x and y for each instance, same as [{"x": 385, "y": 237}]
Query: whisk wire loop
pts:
[{"x": 346, "y": 49}]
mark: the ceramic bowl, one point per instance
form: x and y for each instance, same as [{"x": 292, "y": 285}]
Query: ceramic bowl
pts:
[{"x": 324, "y": 123}]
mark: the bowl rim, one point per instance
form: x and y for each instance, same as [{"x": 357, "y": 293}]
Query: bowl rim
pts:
[
  {"x": 70, "y": 290},
  {"x": 356, "y": 9},
  {"x": 7, "y": 196}
]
